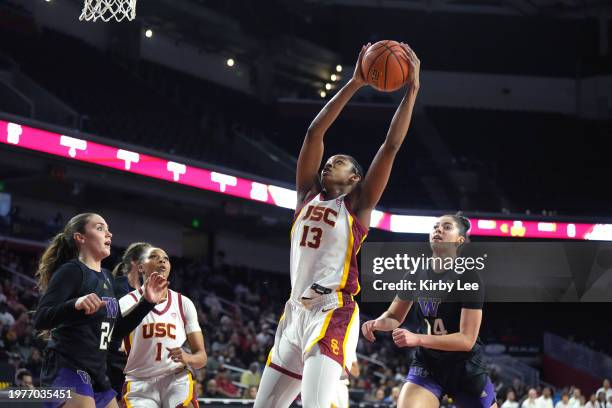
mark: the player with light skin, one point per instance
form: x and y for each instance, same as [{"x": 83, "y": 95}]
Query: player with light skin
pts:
[
  {"x": 78, "y": 304},
  {"x": 127, "y": 278},
  {"x": 424, "y": 386},
  {"x": 156, "y": 370},
  {"x": 334, "y": 207}
]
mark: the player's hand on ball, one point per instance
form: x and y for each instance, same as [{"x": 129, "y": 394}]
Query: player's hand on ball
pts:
[
  {"x": 155, "y": 287},
  {"x": 358, "y": 74},
  {"x": 178, "y": 355},
  {"x": 90, "y": 304},
  {"x": 415, "y": 67},
  {"x": 368, "y": 329},
  {"x": 405, "y": 338}
]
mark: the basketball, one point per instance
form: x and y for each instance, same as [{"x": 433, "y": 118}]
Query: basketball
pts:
[{"x": 385, "y": 66}]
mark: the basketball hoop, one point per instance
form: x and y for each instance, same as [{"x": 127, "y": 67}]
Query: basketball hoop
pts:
[{"x": 108, "y": 10}]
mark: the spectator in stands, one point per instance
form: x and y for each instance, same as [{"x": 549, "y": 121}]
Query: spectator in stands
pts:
[
  {"x": 592, "y": 402},
  {"x": 6, "y": 319},
  {"x": 251, "y": 392},
  {"x": 582, "y": 401},
  {"x": 199, "y": 389},
  {"x": 601, "y": 400},
  {"x": 214, "y": 361},
  {"x": 510, "y": 401},
  {"x": 225, "y": 385},
  {"x": 393, "y": 397},
  {"x": 212, "y": 391},
  {"x": 34, "y": 363},
  {"x": 606, "y": 389},
  {"x": 23, "y": 379},
  {"x": 519, "y": 388},
  {"x": 574, "y": 401},
  {"x": 379, "y": 395},
  {"x": 531, "y": 400},
  {"x": 545, "y": 400},
  {"x": 251, "y": 376},
  {"x": 564, "y": 403},
  {"x": 609, "y": 401}
]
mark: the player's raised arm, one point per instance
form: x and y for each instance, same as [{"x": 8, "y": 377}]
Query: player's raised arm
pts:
[
  {"x": 376, "y": 179},
  {"x": 311, "y": 153}
]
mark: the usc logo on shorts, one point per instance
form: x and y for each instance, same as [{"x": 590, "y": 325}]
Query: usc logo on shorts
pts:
[{"x": 334, "y": 347}]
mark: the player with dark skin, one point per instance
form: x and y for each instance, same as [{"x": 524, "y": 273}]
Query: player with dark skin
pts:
[
  {"x": 341, "y": 178},
  {"x": 340, "y": 174}
]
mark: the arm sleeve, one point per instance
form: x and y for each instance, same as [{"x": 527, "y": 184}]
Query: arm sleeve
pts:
[
  {"x": 128, "y": 302},
  {"x": 128, "y": 321},
  {"x": 473, "y": 299},
  {"x": 57, "y": 304},
  {"x": 191, "y": 316}
]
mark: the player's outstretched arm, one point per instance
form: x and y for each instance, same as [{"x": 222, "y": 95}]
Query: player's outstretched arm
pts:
[
  {"x": 311, "y": 154},
  {"x": 391, "y": 319},
  {"x": 464, "y": 340},
  {"x": 376, "y": 179}
]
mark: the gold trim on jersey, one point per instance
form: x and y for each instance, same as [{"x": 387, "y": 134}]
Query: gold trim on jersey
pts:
[
  {"x": 190, "y": 396},
  {"x": 349, "y": 253},
  {"x": 346, "y": 335},
  {"x": 297, "y": 219},
  {"x": 323, "y": 331},
  {"x": 127, "y": 391}
]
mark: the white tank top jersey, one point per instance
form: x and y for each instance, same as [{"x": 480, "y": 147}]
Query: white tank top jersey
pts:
[
  {"x": 325, "y": 240},
  {"x": 167, "y": 325}
]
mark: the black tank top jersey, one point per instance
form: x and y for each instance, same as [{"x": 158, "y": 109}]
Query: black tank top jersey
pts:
[
  {"x": 81, "y": 341},
  {"x": 439, "y": 312}
]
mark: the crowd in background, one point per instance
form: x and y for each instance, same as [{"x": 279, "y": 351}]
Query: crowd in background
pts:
[{"x": 238, "y": 308}]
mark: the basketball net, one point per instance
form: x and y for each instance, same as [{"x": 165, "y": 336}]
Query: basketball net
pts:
[{"x": 107, "y": 10}]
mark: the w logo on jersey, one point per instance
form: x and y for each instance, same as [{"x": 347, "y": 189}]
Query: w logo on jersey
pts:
[
  {"x": 84, "y": 376},
  {"x": 429, "y": 306},
  {"x": 112, "y": 307}
]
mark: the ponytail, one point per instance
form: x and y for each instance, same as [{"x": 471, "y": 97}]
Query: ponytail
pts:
[{"x": 133, "y": 253}]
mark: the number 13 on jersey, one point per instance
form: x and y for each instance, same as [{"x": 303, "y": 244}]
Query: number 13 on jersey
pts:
[{"x": 311, "y": 237}]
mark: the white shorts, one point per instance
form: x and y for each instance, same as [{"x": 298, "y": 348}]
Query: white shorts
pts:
[
  {"x": 167, "y": 391},
  {"x": 341, "y": 397},
  {"x": 330, "y": 322}
]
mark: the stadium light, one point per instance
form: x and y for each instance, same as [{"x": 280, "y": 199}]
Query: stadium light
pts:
[
  {"x": 323, "y": 94},
  {"x": 149, "y": 33},
  {"x": 328, "y": 86},
  {"x": 333, "y": 77},
  {"x": 338, "y": 68},
  {"x": 230, "y": 62}
]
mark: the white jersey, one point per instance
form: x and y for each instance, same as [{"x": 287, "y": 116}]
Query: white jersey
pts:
[
  {"x": 167, "y": 325},
  {"x": 325, "y": 239}
]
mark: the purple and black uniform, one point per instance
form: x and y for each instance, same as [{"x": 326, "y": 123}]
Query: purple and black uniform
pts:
[
  {"x": 460, "y": 374},
  {"x": 75, "y": 356}
]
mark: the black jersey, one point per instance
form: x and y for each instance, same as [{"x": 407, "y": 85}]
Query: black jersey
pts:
[
  {"x": 438, "y": 310},
  {"x": 80, "y": 341}
]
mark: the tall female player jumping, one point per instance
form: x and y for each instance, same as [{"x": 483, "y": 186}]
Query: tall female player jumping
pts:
[
  {"x": 156, "y": 372},
  {"x": 448, "y": 359},
  {"x": 317, "y": 335}
]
